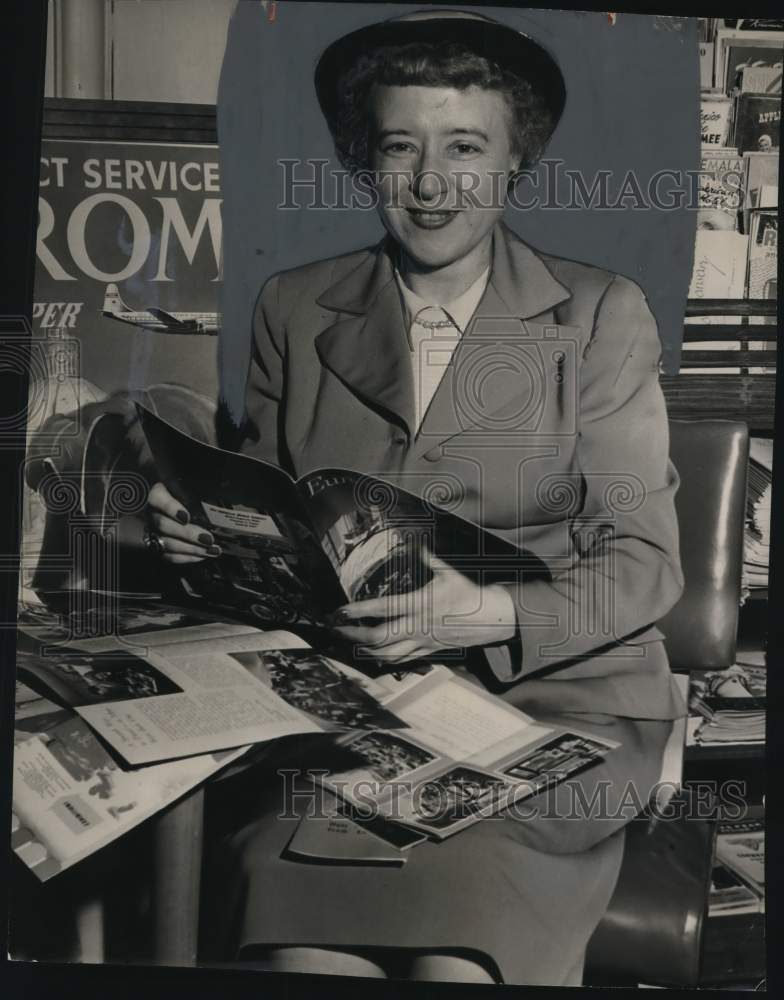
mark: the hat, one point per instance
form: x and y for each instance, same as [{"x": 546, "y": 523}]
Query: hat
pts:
[{"x": 510, "y": 49}]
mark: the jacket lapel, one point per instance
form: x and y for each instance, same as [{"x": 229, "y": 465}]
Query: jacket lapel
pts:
[
  {"x": 367, "y": 347},
  {"x": 521, "y": 279},
  {"x": 521, "y": 288}
]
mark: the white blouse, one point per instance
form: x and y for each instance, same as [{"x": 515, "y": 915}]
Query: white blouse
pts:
[{"x": 433, "y": 334}]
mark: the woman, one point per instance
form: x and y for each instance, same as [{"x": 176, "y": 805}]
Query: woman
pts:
[{"x": 523, "y": 388}]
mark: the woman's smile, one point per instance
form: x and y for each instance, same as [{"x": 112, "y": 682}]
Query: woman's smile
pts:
[{"x": 430, "y": 218}]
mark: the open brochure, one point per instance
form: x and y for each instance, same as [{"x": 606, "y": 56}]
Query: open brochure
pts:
[
  {"x": 156, "y": 696},
  {"x": 425, "y": 749},
  {"x": 70, "y": 797},
  {"x": 465, "y": 756},
  {"x": 293, "y": 552}
]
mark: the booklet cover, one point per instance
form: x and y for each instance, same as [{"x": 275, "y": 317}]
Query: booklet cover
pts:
[
  {"x": 719, "y": 272},
  {"x": 763, "y": 256},
  {"x": 761, "y": 183},
  {"x": 333, "y": 837},
  {"x": 721, "y": 182},
  {"x": 757, "y": 123},
  {"x": 715, "y": 111},
  {"x": 293, "y": 552},
  {"x": 749, "y": 46},
  {"x": 762, "y": 61}
]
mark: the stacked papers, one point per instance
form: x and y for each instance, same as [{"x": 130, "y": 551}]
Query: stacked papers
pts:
[{"x": 728, "y": 706}]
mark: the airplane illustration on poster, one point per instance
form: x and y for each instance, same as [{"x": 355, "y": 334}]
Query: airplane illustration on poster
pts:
[{"x": 158, "y": 320}]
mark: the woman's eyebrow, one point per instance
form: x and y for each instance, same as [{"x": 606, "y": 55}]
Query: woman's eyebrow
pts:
[
  {"x": 453, "y": 131},
  {"x": 469, "y": 131}
]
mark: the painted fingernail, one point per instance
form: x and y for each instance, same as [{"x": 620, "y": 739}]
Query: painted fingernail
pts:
[
  {"x": 214, "y": 550},
  {"x": 205, "y": 538},
  {"x": 182, "y": 516}
]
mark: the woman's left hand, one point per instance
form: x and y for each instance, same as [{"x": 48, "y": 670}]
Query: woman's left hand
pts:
[{"x": 449, "y": 612}]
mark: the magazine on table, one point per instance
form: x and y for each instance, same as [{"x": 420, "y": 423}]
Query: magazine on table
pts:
[
  {"x": 436, "y": 751},
  {"x": 158, "y": 696},
  {"x": 73, "y": 789},
  {"x": 162, "y": 695},
  {"x": 71, "y": 797}
]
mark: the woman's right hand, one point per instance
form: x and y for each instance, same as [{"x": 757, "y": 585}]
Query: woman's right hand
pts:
[{"x": 180, "y": 541}]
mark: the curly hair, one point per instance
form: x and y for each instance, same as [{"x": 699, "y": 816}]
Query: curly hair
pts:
[{"x": 426, "y": 64}]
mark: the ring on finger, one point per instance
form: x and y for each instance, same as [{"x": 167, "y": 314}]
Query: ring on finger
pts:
[{"x": 154, "y": 543}]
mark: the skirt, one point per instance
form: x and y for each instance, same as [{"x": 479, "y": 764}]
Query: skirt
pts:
[{"x": 521, "y": 893}]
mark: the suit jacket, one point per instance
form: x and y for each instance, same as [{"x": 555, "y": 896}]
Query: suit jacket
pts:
[{"x": 548, "y": 429}]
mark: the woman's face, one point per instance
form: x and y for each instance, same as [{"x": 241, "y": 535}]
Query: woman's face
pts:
[{"x": 443, "y": 157}]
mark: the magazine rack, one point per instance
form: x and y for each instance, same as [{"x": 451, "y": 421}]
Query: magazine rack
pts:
[{"x": 744, "y": 392}]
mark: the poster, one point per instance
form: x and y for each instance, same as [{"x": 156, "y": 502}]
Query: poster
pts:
[{"x": 134, "y": 230}]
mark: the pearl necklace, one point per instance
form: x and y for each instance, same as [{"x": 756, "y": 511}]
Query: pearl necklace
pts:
[{"x": 434, "y": 324}]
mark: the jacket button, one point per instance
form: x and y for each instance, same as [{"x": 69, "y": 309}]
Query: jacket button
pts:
[{"x": 435, "y": 454}]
